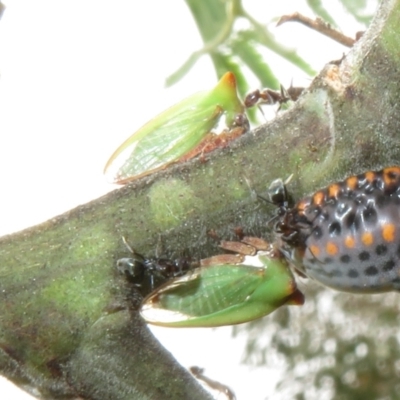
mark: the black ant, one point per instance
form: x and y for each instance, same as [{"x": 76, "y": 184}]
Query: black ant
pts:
[
  {"x": 149, "y": 271},
  {"x": 270, "y": 97},
  {"x": 279, "y": 196},
  {"x": 290, "y": 230}
]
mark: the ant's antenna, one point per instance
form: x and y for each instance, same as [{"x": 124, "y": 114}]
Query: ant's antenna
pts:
[{"x": 128, "y": 246}]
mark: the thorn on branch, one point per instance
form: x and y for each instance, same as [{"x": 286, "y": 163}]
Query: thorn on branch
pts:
[{"x": 320, "y": 26}]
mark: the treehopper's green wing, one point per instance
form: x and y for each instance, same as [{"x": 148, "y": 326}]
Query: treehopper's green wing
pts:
[
  {"x": 176, "y": 132},
  {"x": 224, "y": 294}
]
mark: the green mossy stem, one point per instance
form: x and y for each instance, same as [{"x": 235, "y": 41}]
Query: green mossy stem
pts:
[{"x": 58, "y": 279}]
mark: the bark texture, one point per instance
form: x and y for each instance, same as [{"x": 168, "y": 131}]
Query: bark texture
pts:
[{"x": 68, "y": 322}]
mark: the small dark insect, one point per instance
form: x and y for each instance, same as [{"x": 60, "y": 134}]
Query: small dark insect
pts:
[
  {"x": 241, "y": 121},
  {"x": 270, "y": 97},
  {"x": 279, "y": 197},
  {"x": 152, "y": 271},
  {"x": 294, "y": 92},
  {"x": 278, "y": 193},
  {"x": 227, "y": 391}
]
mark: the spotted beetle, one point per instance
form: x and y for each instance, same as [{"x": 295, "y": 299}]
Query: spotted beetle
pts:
[{"x": 346, "y": 236}]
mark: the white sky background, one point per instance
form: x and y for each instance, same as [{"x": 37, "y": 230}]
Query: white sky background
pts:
[{"x": 76, "y": 79}]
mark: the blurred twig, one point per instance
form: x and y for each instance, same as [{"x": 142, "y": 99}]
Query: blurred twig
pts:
[
  {"x": 318, "y": 25},
  {"x": 2, "y": 8}
]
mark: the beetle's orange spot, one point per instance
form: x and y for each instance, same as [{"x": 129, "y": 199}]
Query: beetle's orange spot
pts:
[
  {"x": 333, "y": 190},
  {"x": 318, "y": 198},
  {"x": 352, "y": 182},
  {"x": 370, "y": 176},
  {"x": 367, "y": 238},
  {"x": 388, "y": 232},
  {"x": 332, "y": 249},
  {"x": 301, "y": 206},
  {"x": 349, "y": 242},
  {"x": 314, "y": 250},
  {"x": 391, "y": 175}
]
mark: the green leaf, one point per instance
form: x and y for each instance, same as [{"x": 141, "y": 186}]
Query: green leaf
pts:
[
  {"x": 244, "y": 47},
  {"x": 182, "y": 70},
  {"x": 267, "y": 40},
  {"x": 355, "y": 7}
]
